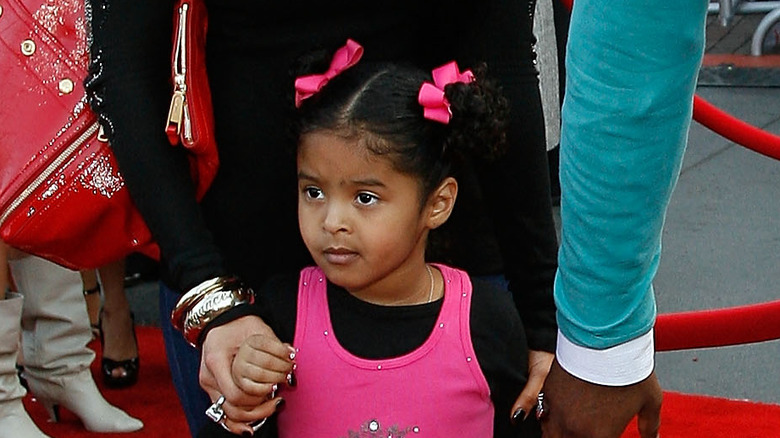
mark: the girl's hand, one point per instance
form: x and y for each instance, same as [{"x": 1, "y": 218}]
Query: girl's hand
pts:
[
  {"x": 539, "y": 363},
  {"x": 261, "y": 364}
]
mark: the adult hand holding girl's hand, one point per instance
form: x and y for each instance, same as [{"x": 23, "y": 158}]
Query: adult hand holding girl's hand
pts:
[
  {"x": 539, "y": 363},
  {"x": 242, "y": 360}
]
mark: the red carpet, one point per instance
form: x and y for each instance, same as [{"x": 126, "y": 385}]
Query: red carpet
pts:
[
  {"x": 154, "y": 401},
  {"x": 684, "y": 415}
]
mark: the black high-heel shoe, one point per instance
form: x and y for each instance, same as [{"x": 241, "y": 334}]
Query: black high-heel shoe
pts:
[{"x": 108, "y": 366}]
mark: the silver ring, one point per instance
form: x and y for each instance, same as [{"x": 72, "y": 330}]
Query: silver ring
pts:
[
  {"x": 539, "y": 405},
  {"x": 255, "y": 425},
  {"x": 215, "y": 411}
]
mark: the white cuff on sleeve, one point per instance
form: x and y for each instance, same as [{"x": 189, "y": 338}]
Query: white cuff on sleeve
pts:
[{"x": 621, "y": 365}]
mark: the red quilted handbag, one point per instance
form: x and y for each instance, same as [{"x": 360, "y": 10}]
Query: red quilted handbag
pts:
[{"x": 62, "y": 196}]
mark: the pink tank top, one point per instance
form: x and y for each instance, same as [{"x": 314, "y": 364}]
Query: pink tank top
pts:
[{"x": 437, "y": 390}]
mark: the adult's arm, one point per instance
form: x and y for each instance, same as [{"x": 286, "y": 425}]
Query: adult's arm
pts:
[
  {"x": 130, "y": 90},
  {"x": 499, "y": 340},
  {"x": 631, "y": 74},
  {"x": 517, "y": 187}
]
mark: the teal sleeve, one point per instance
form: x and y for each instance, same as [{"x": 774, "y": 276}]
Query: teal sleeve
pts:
[{"x": 631, "y": 70}]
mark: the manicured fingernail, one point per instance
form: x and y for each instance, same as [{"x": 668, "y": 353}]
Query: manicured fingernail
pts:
[
  {"x": 520, "y": 412},
  {"x": 279, "y": 403},
  {"x": 247, "y": 433},
  {"x": 293, "y": 353},
  {"x": 291, "y": 379}
]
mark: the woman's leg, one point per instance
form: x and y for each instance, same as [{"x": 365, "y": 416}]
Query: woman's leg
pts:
[
  {"x": 120, "y": 361},
  {"x": 93, "y": 299}
]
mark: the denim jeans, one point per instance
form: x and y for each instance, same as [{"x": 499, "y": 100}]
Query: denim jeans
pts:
[
  {"x": 497, "y": 279},
  {"x": 184, "y": 363}
]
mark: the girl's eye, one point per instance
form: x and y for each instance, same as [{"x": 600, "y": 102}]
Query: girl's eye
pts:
[
  {"x": 366, "y": 199},
  {"x": 313, "y": 193}
]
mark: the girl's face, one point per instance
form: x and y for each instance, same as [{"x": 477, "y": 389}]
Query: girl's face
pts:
[{"x": 361, "y": 219}]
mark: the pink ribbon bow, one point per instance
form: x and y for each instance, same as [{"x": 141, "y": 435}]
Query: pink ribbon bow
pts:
[
  {"x": 344, "y": 58},
  {"x": 431, "y": 96}
]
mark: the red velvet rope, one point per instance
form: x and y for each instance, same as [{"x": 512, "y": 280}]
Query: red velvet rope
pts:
[
  {"x": 716, "y": 328},
  {"x": 735, "y": 325},
  {"x": 735, "y": 130}
]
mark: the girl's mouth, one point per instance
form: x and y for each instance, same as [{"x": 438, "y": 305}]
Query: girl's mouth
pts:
[{"x": 339, "y": 256}]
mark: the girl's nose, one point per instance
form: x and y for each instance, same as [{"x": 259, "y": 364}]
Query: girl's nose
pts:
[{"x": 336, "y": 218}]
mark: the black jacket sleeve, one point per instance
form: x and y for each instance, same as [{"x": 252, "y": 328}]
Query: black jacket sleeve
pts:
[
  {"x": 129, "y": 88},
  {"x": 500, "y": 344},
  {"x": 516, "y": 188}
]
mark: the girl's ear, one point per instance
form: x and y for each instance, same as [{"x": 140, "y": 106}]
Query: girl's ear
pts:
[{"x": 441, "y": 202}]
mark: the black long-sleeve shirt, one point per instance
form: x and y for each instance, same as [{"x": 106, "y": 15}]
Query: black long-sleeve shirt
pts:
[{"x": 246, "y": 224}]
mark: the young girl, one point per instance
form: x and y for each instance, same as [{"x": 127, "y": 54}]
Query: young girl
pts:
[{"x": 386, "y": 345}]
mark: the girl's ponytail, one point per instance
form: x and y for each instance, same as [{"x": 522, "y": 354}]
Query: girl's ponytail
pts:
[{"x": 480, "y": 115}]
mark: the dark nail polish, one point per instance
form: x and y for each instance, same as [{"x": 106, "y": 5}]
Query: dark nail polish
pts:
[
  {"x": 291, "y": 379},
  {"x": 518, "y": 415},
  {"x": 279, "y": 403},
  {"x": 247, "y": 433}
]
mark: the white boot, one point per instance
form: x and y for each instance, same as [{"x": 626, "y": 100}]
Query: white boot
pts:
[
  {"x": 55, "y": 332},
  {"x": 14, "y": 421}
]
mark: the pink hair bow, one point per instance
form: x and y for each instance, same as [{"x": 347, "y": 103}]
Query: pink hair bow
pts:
[
  {"x": 344, "y": 58},
  {"x": 431, "y": 96}
]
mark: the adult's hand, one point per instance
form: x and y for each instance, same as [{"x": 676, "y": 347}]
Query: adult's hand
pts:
[
  {"x": 575, "y": 408},
  {"x": 216, "y": 378},
  {"x": 539, "y": 363}
]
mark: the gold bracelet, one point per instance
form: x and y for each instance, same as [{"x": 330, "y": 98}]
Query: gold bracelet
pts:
[
  {"x": 195, "y": 294},
  {"x": 206, "y": 301}
]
